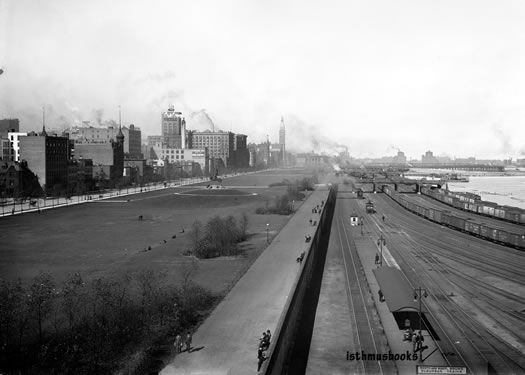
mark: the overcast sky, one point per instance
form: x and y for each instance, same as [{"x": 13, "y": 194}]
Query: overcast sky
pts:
[{"x": 446, "y": 76}]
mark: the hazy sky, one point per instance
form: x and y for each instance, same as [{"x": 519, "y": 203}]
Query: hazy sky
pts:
[{"x": 448, "y": 76}]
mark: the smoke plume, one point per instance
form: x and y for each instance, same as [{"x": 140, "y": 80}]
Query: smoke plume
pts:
[{"x": 201, "y": 120}]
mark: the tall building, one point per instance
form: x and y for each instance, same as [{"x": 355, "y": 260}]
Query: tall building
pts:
[
  {"x": 173, "y": 128},
  {"x": 282, "y": 141},
  {"x": 90, "y": 134},
  {"x": 220, "y": 144},
  {"x": 14, "y": 143},
  {"x": 47, "y": 157},
  {"x": 429, "y": 158},
  {"x": 240, "y": 158},
  {"x": 9, "y": 125},
  {"x": 152, "y": 140},
  {"x": 400, "y": 158}
]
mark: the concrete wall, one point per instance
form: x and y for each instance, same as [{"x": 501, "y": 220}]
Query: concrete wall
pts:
[{"x": 287, "y": 330}]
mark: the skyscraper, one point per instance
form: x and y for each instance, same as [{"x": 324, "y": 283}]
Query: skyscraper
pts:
[
  {"x": 282, "y": 141},
  {"x": 173, "y": 128}
]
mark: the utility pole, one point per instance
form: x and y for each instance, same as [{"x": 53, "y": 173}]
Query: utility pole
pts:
[
  {"x": 419, "y": 293},
  {"x": 381, "y": 242}
]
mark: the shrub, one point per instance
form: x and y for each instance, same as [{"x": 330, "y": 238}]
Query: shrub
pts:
[{"x": 219, "y": 237}]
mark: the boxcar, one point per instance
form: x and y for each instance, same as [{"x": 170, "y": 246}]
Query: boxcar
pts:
[
  {"x": 431, "y": 214},
  {"x": 457, "y": 222},
  {"x": 489, "y": 232},
  {"x": 499, "y": 212},
  {"x": 503, "y": 237},
  {"x": 438, "y": 216},
  {"x": 445, "y": 218},
  {"x": 472, "y": 227},
  {"x": 472, "y": 207},
  {"x": 487, "y": 209}
]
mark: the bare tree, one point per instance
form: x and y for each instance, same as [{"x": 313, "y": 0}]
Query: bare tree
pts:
[
  {"x": 244, "y": 222},
  {"x": 196, "y": 234},
  {"x": 188, "y": 272},
  {"x": 72, "y": 291},
  {"x": 41, "y": 293}
]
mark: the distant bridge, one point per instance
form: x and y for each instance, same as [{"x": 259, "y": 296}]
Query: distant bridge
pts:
[
  {"x": 464, "y": 167},
  {"x": 454, "y": 166}
]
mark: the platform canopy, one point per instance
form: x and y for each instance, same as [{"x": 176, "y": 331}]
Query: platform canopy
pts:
[{"x": 399, "y": 295}]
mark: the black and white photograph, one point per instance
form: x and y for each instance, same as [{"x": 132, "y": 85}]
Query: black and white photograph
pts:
[{"x": 235, "y": 187}]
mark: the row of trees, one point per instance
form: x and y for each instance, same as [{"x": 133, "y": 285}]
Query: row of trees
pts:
[
  {"x": 284, "y": 205},
  {"x": 219, "y": 236},
  {"x": 305, "y": 184},
  {"x": 87, "y": 327}
]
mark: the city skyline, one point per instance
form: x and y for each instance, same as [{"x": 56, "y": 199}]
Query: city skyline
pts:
[{"x": 415, "y": 73}]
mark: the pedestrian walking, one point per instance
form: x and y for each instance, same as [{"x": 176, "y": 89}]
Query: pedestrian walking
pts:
[
  {"x": 419, "y": 341},
  {"x": 268, "y": 335},
  {"x": 383, "y": 218},
  {"x": 414, "y": 341},
  {"x": 178, "y": 344},
  {"x": 188, "y": 342},
  {"x": 377, "y": 258},
  {"x": 261, "y": 357}
]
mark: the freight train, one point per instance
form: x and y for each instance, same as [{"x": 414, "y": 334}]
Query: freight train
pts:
[
  {"x": 473, "y": 203},
  {"x": 447, "y": 218}
]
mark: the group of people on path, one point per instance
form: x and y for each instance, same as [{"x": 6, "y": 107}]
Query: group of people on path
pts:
[
  {"x": 180, "y": 342},
  {"x": 264, "y": 344}
]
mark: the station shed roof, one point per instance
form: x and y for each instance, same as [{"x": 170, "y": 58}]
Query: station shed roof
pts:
[{"x": 398, "y": 293}]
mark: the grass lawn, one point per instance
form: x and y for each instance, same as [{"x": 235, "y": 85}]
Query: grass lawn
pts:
[{"x": 106, "y": 238}]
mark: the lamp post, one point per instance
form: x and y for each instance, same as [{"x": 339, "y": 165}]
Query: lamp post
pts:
[
  {"x": 381, "y": 242},
  {"x": 267, "y": 233},
  {"x": 419, "y": 293}
]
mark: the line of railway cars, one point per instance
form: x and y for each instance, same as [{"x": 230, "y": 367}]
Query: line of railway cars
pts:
[
  {"x": 485, "y": 231},
  {"x": 473, "y": 203}
]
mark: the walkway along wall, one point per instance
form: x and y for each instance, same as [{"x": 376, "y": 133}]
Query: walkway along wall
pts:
[{"x": 291, "y": 343}]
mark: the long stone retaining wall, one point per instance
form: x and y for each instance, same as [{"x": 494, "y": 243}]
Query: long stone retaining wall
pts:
[{"x": 292, "y": 322}]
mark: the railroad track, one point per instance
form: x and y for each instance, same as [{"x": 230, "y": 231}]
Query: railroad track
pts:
[
  {"x": 482, "y": 338},
  {"x": 366, "y": 329},
  {"x": 497, "y": 352}
]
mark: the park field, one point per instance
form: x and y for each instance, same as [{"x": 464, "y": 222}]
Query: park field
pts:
[{"x": 106, "y": 238}]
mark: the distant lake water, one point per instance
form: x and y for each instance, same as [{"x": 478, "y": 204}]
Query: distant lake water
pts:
[{"x": 503, "y": 190}]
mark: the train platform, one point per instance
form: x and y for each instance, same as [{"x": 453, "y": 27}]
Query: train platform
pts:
[
  {"x": 227, "y": 341},
  {"x": 367, "y": 249},
  {"x": 332, "y": 334}
]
